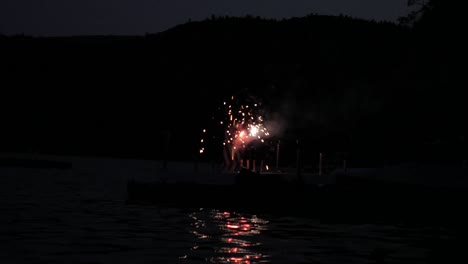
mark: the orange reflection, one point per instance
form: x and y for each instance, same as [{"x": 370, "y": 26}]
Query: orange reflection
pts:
[
  {"x": 232, "y": 226},
  {"x": 237, "y": 260},
  {"x": 240, "y": 227},
  {"x": 233, "y": 250},
  {"x": 227, "y": 237}
]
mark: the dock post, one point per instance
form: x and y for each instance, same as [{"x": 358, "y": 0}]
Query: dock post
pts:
[
  {"x": 227, "y": 161},
  {"x": 320, "y": 164},
  {"x": 277, "y": 154},
  {"x": 298, "y": 160}
]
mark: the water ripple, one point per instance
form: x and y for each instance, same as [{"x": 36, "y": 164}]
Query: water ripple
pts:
[{"x": 58, "y": 218}]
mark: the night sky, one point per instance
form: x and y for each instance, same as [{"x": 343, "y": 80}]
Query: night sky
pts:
[{"x": 128, "y": 17}]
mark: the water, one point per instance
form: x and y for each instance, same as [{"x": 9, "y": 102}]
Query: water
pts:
[{"x": 81, "y": 216}]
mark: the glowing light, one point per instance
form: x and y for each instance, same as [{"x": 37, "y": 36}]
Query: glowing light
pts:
[
  {"x": 267, "y": 168},
  {"x": 243, "y": 124},
  {"x": 253, "y": 131},
  {"x": 231, "y": 226},
  {"x": 236, "y": 260}
]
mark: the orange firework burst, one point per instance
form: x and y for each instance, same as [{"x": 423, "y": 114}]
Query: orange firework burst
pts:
[{"x": 241, "y": 125}]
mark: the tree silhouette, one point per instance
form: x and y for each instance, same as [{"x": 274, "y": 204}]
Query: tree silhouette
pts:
[{"x": 383, "y": 83}]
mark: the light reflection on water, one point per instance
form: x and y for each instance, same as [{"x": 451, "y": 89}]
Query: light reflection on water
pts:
[
  {"x": 54, "y": 217},
  {"x": 227, "y": 237}
]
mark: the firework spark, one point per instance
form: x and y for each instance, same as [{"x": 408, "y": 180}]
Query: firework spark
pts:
[
  {"x": 243, "y": 125},
  {"x": 242, "y": 121}
]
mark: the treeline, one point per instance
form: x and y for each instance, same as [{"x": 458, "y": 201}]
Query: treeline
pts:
[{"x": 339, "y": 83}]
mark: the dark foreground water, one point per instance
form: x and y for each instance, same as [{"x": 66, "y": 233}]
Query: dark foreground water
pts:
[{"x": 77, "y": 216}]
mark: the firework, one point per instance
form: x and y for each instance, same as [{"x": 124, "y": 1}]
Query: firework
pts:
[{"x": 242, "y": 121}]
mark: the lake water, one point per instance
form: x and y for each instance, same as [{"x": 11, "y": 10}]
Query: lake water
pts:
[{"x": 81, "y": 216}]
